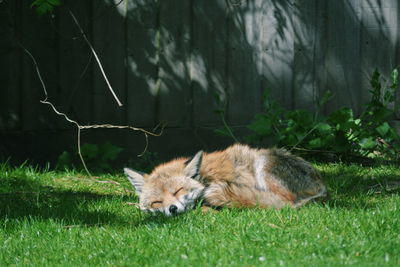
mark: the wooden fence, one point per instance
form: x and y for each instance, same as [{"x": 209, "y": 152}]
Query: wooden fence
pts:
[{"x": 180, "y": 61}]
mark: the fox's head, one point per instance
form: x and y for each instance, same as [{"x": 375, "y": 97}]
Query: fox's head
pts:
[{"x": 171, "y": 188}]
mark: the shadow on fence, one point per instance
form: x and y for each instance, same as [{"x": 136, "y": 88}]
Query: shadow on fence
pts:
[{"x": 184, "y": 61}]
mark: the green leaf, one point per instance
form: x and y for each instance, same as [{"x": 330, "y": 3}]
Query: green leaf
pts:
[
  {"x": 315, "y": 143},
  {"x": 342, "y": 119},
  {"x": 218, "y": 98},
  {"x": 300, "y": 135},
  {"x": 383, "y": 129},
  {"x": 90, "y": 151},
  {"x": 64, "y": 160},
  {"x": 302, "y": 118},
  {"x": 380, "y": 114},
  {"x": 38, "y": 3},
  {"x": 341, "y": 116},
  {"x": 368, "y": 143},
  {"x": 375, "y": 82},
  {"x": 395, "y": 76},
  {"x": 389, "y": 96},
  {"x": 262, "y": 125},
  {"x": 108, "y": 151},
  {"x": 325, "y": 98},
  {"x": 288, "y": 140},
  {"x": 45, "y": 6},
  {"x": 54, "y": 2},
  {"x": 323, "y": 128},
  {"x": 43, "y": 9}
]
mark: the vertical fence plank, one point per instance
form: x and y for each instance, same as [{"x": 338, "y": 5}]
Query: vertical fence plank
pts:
[
  {"x": 378, "y": 39},
  {"x": 175, "y": 106},
  {"x": 277, "y": 38},
  {"x": 342, "y": 53},
  {"x": 10, "y": 75},
  {"x": 109, "y": 42},
  {"x": 39, "y": 37},
  {"x": 304, "y": 14},
  {"x": 350, "y": 56},
  {"x": 208, "y": 60},
  {"x": 320, "y": 48},
  {"x": 142, "y": 60},
  {"x": 75, "y": 96},
  {"x": 244, "y": 79}
]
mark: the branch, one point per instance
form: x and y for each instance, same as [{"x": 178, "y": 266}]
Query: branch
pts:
[
  {"x": 96, "y": 57},
  {"x": 228, "y": 128},
  {"x": 82, "y": 127}
]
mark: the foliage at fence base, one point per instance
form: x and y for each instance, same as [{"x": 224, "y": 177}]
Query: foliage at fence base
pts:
[
  {"x": 99, "y": 157},
  {"x": 105, "y": 158},
  {"x": 340, "y": 133}
]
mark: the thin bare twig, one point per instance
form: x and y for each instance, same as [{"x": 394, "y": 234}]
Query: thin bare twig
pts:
[
  {"x": 228, "y": 128},
  {"x": 82, "y": 225},
  {"x": 304, "y": 137},
  {"x": 132, "y": 204},
  {"x": 82, "y": 127},
  {"x": 313, "y": 150},
  {"x": 96, "y": 57},
  {"x": 78, "y": 81},
  {"x": 108, "y": 182}
]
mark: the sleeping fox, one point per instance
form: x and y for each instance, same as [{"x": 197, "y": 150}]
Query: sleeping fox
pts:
[{"x": 238, "y": 176}]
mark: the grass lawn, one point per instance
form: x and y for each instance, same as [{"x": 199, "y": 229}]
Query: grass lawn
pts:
[{"x": 66, "y": 218}]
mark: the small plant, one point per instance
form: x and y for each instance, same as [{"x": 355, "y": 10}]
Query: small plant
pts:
[
  {"x": 369, "y": 135},
  {"x": 97, "y": 157},
  {"x": 45, "y": 6},
  {"x": 221, "y": 103}
]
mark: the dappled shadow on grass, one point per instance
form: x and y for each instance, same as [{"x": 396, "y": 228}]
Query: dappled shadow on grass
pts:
[
  {"x": 67, "y": 206},
  {"x": 27, "y": 199},
  {"x": 23, "y": 199},
  {"x": 356, "y": 187}
]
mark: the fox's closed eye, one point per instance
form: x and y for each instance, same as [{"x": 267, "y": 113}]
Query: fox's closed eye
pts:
[
  {"x": 177, "y": 191},
  {"x": 156, "y": 204}
]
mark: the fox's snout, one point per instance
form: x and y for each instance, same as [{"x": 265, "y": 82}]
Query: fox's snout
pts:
[{"x": 173, "y": 209}]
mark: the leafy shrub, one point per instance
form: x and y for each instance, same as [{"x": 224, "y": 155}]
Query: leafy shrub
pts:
[
  {"x": 97, "y": 157},
  {"x": 369, "y": 135}
]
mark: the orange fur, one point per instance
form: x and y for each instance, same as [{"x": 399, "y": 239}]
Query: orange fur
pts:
[{"x": 238, "y": 176}]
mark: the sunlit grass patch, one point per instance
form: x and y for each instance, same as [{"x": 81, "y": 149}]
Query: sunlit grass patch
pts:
[{"x": 66, "y": 218}]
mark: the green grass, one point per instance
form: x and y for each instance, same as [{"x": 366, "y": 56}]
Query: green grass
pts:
[{"x": 66, "y": 218}]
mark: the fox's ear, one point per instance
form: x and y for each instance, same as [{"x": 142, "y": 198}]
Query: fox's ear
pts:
[
  {"x": 136, "y": 178},
  {"x": 192, "y": 168}
]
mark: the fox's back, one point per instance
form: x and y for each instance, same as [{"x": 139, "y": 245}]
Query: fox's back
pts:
[{"x": 244, "y": 176}]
